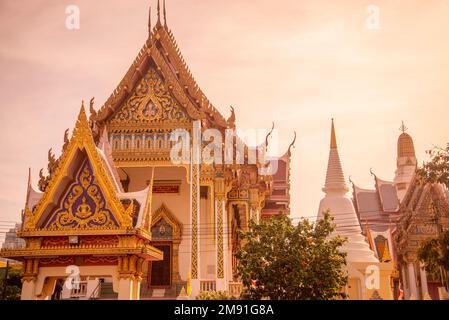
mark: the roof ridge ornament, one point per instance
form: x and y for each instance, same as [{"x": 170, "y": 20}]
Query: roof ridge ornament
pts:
[
  {"x": 403, "y": 128},
  {"x": 292, "y": 145},
  {"x": 165, "y": 17},
  {"x": 269, "y": 134},
  {"x": 158, "y": 23},
  {"x": 149, "y": 23},
  {"x": 231, "y": 119}
]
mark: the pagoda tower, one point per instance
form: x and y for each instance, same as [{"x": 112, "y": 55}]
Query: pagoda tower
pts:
[
  {"x": 362, "y": 264},
  {"x": 405, "y": 164}
]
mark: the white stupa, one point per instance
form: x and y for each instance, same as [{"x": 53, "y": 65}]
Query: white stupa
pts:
[{"x": 342, "y": 209}]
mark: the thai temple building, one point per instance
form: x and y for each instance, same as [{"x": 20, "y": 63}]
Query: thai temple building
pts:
[
  {"x": 117, "y": 213},
  {"x": 396, "y": 216},
  {"x": 424, "y": 214},
  {"x": 362, "y": 262},
  {"x": 378, "y": 209}
]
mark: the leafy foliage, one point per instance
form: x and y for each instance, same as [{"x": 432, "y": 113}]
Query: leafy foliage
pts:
[
  {"x": 278, "y": 260},
  {"x": 13, "y": 284},
  {"x": 434, "y": 253},
  {"x": 437, "y": 169},
  {"x": 215, "y": 295}
]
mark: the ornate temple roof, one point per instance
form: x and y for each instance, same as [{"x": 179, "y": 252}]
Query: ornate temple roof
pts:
[
  {"x": 376, "y": 207},
  {"x": 161, "y": 51}
]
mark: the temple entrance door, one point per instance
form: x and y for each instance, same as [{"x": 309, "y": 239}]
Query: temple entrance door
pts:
[{"x": 161, "y": 271}]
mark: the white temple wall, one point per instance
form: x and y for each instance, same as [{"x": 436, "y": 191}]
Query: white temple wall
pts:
[{"x": 178, "y": 204}]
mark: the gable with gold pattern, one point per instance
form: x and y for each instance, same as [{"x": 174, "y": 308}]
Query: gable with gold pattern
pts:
[
  {"x": 84, "y": 204},
  {"x": 150, "y": 102},
  {"x": 82, "y": 193}
]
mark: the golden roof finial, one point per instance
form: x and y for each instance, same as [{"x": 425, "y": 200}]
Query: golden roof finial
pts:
[
  {"x": 269, "y": 134},
  {"x": 149, "y": 22},
  {"x": 292, "y": 145},
  {"x": 158, "y": 14},
  {"x": 165, "y": 17},
  {"x": 403, "y": 128},
  {"x": 28, "y": 187},
  {"x": 333, "y": 137}
]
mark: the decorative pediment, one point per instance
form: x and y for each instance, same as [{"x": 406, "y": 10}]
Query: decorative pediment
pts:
[
  {"x": 81, "y": 194},
  {"x": 150, "y": 102},
  {"x": 84, "y": 204},
  {"x": 164, "y": 226}
]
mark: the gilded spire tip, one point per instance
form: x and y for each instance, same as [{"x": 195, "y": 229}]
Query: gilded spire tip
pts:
[
  {"x": 403, "y": 128},
  {"x": 333, "y": 136}
]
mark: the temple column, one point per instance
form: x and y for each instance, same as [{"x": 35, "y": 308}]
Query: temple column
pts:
[
  {"x": 126, "y": 288},
  {"x": 28, "y": 289},
  {"x": 220, "y": 235},
  {"x": 130, "y": 271},
  {"x": 405, "y": 285},
  {"x": 412, "y": 281},
  {"x": 176, "y": 277},
  {"x": 136, "y": 288},
  {"x": 30, "y": 272},
  {"x": 424, "y": 287},
  {"x": 194, "y": 220},
  {"x": 254, "y": 204}
]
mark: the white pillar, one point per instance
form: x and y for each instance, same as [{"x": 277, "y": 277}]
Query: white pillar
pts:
[
  {"x": 136, "y": 289},
  {"x": 405, "y": 285},
  {"x": 424, "y": 287},
  {"x": 28, "y": 290},
  {"x": 126, "y": 290},
  {"x": 412, "y": 281}
]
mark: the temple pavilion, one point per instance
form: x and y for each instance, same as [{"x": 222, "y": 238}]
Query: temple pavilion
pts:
[{"x": 118, "y": 215}]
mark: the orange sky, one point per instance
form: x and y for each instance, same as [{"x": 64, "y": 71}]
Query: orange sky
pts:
[{"x": 297, "y": 63}]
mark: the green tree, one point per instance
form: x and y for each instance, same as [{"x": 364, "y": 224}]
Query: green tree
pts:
[
  {"x": 280, "y": 261},
  {"x": 10, "y": 288},
  {"x": 437, "y": 169},
  {"x": 215, "y": 295},
  {"x": 434, "y": 253}
]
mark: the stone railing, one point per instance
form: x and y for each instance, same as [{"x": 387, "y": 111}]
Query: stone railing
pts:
[
  {"x": 79, "y": 291},
  {"x": 235, "y": 288},
  {"x": 208, "y": 285}
]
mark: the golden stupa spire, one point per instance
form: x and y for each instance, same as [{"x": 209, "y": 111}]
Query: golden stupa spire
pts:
[
  {"x": 335, "y": 180},
  {"x": 333, "y": 137}
]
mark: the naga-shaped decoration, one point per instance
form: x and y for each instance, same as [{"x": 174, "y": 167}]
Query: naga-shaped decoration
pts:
[
  {"x": 93, "y": 113},
  {"x": 66, "y": 140},
  {"x": 52, "y": 163},
  {"x": 231, "y": 120},
  {"x": 43, "y": 181}
]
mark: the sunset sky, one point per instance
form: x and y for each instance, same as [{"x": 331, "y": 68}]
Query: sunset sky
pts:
[{"x": 297, "y": 63}]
